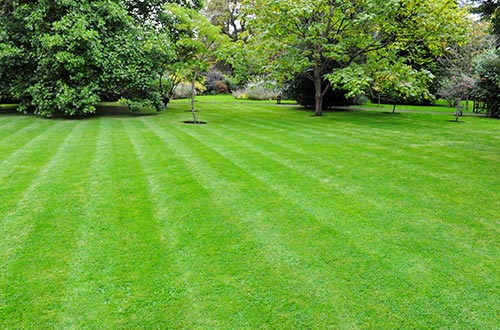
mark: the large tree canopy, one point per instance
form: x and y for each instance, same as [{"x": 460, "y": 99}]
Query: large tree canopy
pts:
[
  {"x": 332, "y": 39},
  {"x": 65, "y": 56}
]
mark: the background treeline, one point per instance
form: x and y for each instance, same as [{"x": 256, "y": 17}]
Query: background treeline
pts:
[{"x": 61, "y": 56}]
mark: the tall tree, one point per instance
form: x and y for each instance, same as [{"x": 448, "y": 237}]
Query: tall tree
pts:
[
  {"x": 225, "y": 13},
  {"x": 489, "y": 10},
  {"x": 332, "y": 38},
  {"x": 64, "y": 56}
]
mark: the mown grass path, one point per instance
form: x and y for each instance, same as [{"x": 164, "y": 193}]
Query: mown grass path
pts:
[{"x": 264, "y": 218}]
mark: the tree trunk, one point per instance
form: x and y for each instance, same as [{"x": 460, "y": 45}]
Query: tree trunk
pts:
[
  {"x": 394, "y": 108},
  {"x": 457, "y": 109},
  {"x": 193, "y": 92},
  {"x": 318, "y": 94}
]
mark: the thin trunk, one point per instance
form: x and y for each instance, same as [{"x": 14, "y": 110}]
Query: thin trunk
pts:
[
  {"x": 457, "y": 109},
  {"x": 193, "y": 91},
  {"x": 394, "y": 108}
]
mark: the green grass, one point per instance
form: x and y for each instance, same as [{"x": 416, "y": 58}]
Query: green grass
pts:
[
  {"x": 439, "y": 106},
  {"x": 266, "y": 217}
]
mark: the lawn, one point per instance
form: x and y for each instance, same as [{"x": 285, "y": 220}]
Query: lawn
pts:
[{"x": 266, "y": 217}]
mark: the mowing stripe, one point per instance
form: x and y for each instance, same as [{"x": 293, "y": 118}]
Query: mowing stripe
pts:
[
  {"x": 22, "y": 166},
  {"x": 119, "y": 266},
  {"x": 186, "y": 265},
  {"x": 12, "y": 131},
  {"x": 396, "y": 156},
  {"x": 92, "y": 265},
  {"x": 232, "y": 233},
  {"x": 262, "y": 224},
  {"x": 411, "y": 256},
  {"x": 39, "y": 224}
]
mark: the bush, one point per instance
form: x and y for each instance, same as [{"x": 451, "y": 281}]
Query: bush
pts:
[
  {"x": 183, "y": 90},
  {"x": 231, "y": 83},
  {"x": 487, "y": 87},
  {"x": 218, "y": 83},
  {"x": 257, "y": 91},
  {"x": 221, "y": 88},
  {"x": 240, "y": 94},
  {"x": 212, "y": 80},
  {"x": 386, "y": 99}
]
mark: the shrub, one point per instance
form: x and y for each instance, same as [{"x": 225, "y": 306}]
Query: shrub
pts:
[
  {"x": 231, "y": 83},
  {"x": 487, "y": 87},
  {"x": 257, "y": 91},
  {"x": 213, "y": 78},
  {"x": 221, "y": 88},
  {"x": 183, "y": 90},
  {"x": 240, "y": 94}
]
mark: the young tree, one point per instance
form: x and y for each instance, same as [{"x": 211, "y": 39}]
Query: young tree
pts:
[
  {"x": 313, "y": 36},
  {"x": 196, "y": 43}
]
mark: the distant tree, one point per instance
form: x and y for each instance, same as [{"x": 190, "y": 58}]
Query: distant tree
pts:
[
  {"x": 402, "y": 84},
  {"x": 487, "y": 86},
  {"x": 486, "y": 65},
  {"x": 457, "y": 72},
  {"x": 489, "y": 10},
  {"x": 225, "y": 14},
  {"x": 331, "y": 39}
]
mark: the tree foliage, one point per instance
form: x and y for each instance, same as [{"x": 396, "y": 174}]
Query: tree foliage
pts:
[
  {"x": 61, "y": 56},
  {"x": 489, "y": 10},
  {"x": 457, "y": 72},
  {"x": 225, "y": 14},
  {"x": 196, "y": 42},
  {"x": 332, "y": 39},
  {"x": 487, "y": 87}
]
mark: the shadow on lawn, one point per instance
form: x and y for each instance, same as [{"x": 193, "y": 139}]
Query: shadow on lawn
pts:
[
  {"x": 122, "y": 111},
  {"x": 8, "y": 109},
  {"x": 101, "y": 111}
]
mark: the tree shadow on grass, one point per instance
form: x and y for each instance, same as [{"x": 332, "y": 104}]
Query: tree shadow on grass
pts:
[
  {"x": 121, "y": 111},
  {"x": 101, "y": 111},
  {"x": 8, "y": 109}
]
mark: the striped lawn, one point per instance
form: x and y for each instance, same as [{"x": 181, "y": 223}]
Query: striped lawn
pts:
[{"x": 264, "y": 218}]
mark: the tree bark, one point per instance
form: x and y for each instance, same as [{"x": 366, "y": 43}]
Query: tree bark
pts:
[
  {"x": 457, "y": 109},
  {"x": 193, "y": 91},
  {"x": 318, "y": 95}
]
